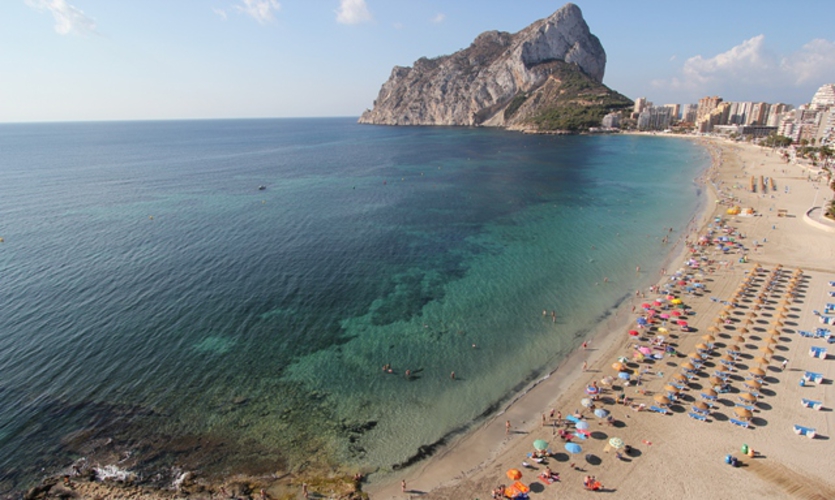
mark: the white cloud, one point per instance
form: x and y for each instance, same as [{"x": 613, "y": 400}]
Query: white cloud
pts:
[
  {"x": 439, "y": 18},
  {"x": 68, "y": 18},
  {"x": 220, "y": 13},
  {"x": 752, "y": 67},
  {"x": 397, "y": 26},
  {"x": 260, "y": 10},
  {"x": 353, "y": 12}
]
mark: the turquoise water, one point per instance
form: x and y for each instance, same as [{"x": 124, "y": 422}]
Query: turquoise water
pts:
[{"x": 157, "y": 304}]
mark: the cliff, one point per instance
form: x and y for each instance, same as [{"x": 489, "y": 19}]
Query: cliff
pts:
[{"x": 547, "y": 76}]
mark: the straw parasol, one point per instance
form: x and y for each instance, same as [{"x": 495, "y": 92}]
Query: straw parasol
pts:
[
  {"x": 662, "y": 399},
  {"x": 670, "y": 388},
  {"x": 757, "y": 371},
  {"x": 734, "y": 348},
  {"x": 753, "y": 384},
  {"x": 701, "y": 346},
  {"x": 727, "y": 357},
  {"x": 679, "y": 377},
  {"x": 747, "y": 396},
  {"x": 719, "y": 320},
  {"x": 688, "y": 365},
  {"x": 748, "y": 322},
  {"x": 702, "y": 406},
  {"x": 761, "y": 360},
  {"x": 708, "y": 338},
  {"x": 777, "y": 322},
  {"x": 755, "y": 307},
  {"x": 712, "y": 329},
  {"x": 739, "y": 338},
  {"x": 774, "y": 331},
  {"x": 769, "y": 351},
  {"x": 743, "y": 412},
  {"x": 743, "y": 330},
  {"x": 771, "y": 340},
  {"x": 709, "y": 392},
  {"x": 714, "y": 380}
]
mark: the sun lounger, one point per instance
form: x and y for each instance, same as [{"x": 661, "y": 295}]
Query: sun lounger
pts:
[
  {"x": 807, "y": 334},
  {"x": 708, "y": 397},
  {"x": 740, "y": 423},
  {"x": 804, "y": 431},
  {"x": 697, "y": 416},
  {"x": 832, "y": 293},
  {"x": 832, "y": 283},
  {"x": 817, "y": 378},
  {"x": 700, "y": 412},
  {"x": 817, "y": 352},
  {"x": 572, "y": 419},
  {"x": 657, "y": 409},
  {"x": 747, "y": 407},
  {"x": 808, "y": 403}
]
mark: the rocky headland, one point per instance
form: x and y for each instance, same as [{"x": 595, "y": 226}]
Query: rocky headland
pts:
[{"x": 547, "y": 77}]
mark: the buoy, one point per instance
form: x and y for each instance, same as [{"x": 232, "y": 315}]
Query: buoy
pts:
[{"x": 151, "y": 217}]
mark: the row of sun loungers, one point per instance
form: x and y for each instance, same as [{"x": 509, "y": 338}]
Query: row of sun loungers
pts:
[
  {"x": 804, "y": 431},
  {"x": 808, "y": 403}
]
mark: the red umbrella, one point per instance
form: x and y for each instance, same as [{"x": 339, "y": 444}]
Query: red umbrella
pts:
[
  {"x": 681, "y": 323},
  {"x": 645, "y": 306},
  {"x": 676, "y": 312},
  {"x": 634, "y": 333}
]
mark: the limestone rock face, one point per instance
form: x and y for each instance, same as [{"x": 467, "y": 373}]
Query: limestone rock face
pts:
[{"x": 475, "y": 85}]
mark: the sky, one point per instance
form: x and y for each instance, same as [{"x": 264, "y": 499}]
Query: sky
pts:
[{"x": 80, "y": 60}]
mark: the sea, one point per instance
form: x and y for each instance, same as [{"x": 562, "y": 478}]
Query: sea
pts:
[{"x": 255, "y": 296}]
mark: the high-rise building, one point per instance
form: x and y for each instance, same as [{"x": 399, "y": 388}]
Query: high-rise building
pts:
[
  {"x": 688, "y": 113},
  {"x": 706, "y": 106},
  {"x": 824, "y": 97},
  {"x": 640, "y": 105},
  {"x": 675, "y": 111}
]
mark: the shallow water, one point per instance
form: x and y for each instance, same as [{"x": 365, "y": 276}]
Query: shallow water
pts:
[{"x": 153, "y": 294}]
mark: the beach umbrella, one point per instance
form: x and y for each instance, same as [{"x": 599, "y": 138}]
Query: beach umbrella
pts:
[
  {"x": 616, "y": 443},
  {"x": 753, "y": 384},
  {"x": 618, "y": 366},
  {"x": 675, "y": 301},
  {"x": 641, "y": 321},
  {"x": 774, "y": 331},
  {"x": 676, "y": 313},
  {"x": 719, "y": 320},
  {"x": 540, "y": 445},
  {"x": 514, "y": 474},
  {"x": 607, "y": 380},
  {"x": 662, "y": 399},
  {"x": 727, "y": 357},
  {"x": 708, "y": 338},
  {"x": 702, "y": 406},
  {"x": 743, "y": 330},
  {"x": 739, "y": 338},
  {"x": 715, "y": 381},
  {"x": 679, "y": 377},
  {"x": 623, "y": 375},
  {"x": 701, "y": 347},
  {"x": 712, "y": 329},
  {"x": 769, "y": 351},
  {"x": 734, "y": 348},
  {"x": 664, "y": 316},
  {"x": 601, "y": 413},
  {"x": 694, "y": 356},
  {"x": 761, "y": 361},
  {"x": 709, "y": 392},
  {"x": 771, "y": 340},
  {"x": 646, "y": 306},
  {"x": 752, "y": 314},
  {"x": 748, "y": 322},
  {"x": 777, "y": 322},
  {"x": 586, "y": 402},
  {"x": 573, "y": 448},
  {"x": 742, "y": 412},
  {"x": 662, "y": 330},
  {"x": 592, "y": 390},
  {"x": 688, "y": 366},
  {"x": 755, "y": 307},
  {"x": 747, "y": 396},
  {"x": 645, "y": 350},
  {"x": 681, "y": 323},
  {"x": 670, "y": 388},
  {"x": 757, "y": 371},
  {"x": 582, "y": 425}
]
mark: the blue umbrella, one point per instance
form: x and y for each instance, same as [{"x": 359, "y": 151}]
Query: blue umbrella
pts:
[
  {"x": 573, "y": 448},
  {"x": 601, "y": 413},
  {"x": 623, "y": 375},
  {"x": 582, "y": 425}
]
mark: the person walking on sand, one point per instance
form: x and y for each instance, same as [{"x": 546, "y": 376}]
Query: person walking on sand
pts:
[
  {"x": 403, "y": 486},
  {"x": 585, "y": 365},
  {"x": 507, "y": 427}
]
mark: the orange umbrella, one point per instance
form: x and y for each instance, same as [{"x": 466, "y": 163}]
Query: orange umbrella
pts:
[
  {"x": 617, "y": 366},
  {"x": 514, "y": 474}
]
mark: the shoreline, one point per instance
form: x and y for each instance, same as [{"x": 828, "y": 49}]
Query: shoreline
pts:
[
  {"x": 462, "y": 467},
  {"x": 567, "y": 374}
]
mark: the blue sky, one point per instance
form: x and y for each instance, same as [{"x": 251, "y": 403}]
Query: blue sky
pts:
[{"x": 168, "y": 59}]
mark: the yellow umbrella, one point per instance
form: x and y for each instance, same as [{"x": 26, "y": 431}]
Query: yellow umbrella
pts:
[
  {"x": 662, "y": 330},
  {"x": 675, "y": 301}
]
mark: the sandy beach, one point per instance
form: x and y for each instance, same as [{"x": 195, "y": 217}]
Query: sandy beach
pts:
[
  {"x": 742, "y": 316},
  {"x": 790, "y": 263}
]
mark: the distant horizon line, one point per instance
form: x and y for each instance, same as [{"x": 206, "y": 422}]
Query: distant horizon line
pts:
[{"x": 148, "y": 120}]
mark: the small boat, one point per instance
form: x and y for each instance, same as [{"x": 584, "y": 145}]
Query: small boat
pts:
[{"x": 262, "y": 187}]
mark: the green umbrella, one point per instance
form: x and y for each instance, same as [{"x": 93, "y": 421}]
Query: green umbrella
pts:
[
  {"x": 616, "y": 443},
  {"x": 540, "y": 445}
]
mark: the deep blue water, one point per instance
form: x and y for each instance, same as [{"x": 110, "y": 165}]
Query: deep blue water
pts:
[{"x": 157, "y": 305}]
